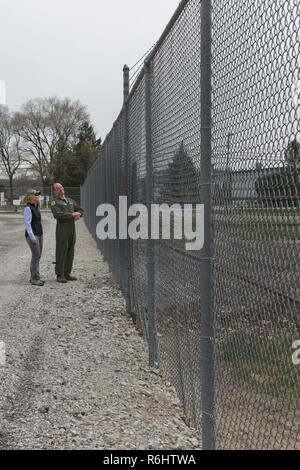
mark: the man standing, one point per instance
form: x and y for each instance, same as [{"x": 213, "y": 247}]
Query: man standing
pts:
[{"x": 66, "y": 212}]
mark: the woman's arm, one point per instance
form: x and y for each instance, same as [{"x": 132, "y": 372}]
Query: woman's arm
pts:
[{"x": 27, "y": 222}]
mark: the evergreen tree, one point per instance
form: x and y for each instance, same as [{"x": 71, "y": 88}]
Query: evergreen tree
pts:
[{"x": 76, "y": 163}]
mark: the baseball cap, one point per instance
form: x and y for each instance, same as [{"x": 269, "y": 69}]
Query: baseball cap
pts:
[{"x": 33, "y": 192}]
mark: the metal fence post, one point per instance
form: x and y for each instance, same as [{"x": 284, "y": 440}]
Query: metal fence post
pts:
[
  {"x": 150, "y": 243},
  {"x": 126, "y": 181},
  {"x": 207, "y": 320}
]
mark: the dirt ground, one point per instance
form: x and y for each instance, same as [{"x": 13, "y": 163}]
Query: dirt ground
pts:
[{"x": 76, "y": 374}]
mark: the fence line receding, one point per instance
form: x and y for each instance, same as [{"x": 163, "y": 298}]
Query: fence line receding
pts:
[{"x": 222, "y": 321}]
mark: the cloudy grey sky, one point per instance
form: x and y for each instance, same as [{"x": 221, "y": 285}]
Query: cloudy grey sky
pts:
[{"x": 76, "y": 48}]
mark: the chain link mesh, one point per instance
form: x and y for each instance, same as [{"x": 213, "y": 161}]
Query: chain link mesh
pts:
[
  {"x": 256, "y": 215},
  {"x": 176, "y": 167},
  {"x": 137, "y": 195}
]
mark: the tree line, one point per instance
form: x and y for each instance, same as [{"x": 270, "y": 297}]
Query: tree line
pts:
[{"x": 52, "y": 138}]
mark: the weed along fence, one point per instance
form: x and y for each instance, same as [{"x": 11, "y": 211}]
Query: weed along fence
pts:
[{"x": 213, "y": 118}]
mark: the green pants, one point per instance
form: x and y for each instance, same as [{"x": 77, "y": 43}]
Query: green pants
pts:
[{"x": 65, "y": 242}]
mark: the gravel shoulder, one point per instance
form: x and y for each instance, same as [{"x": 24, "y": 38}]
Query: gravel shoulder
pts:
[{"x": 76, "y": 374}]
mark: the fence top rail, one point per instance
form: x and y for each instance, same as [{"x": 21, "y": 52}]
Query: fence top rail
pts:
[
  {"x": 159, "y": 43},
  {"x": 148, "y": 59},
  {"x": 110, "y": 131}
]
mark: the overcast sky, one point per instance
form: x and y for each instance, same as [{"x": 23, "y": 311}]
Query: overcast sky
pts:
[{"x": 76, "y": 48}]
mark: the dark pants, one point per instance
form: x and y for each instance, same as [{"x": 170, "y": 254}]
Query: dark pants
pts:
[
  {"x": 65, "y": 242},
  {"x": 36, "y": 252}
]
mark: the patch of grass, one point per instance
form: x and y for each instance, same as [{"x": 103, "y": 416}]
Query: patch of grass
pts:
[
  {"x": 276, "y": 212},
  {"x": 264, "y": 364},
  {"x": 261, "y": 211},
  {"x": 260, "y": 231}
]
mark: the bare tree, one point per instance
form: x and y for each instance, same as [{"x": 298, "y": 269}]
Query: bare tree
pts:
[
  {"x": 48, "y": 128},
  {"x": 9, "y": 147}
]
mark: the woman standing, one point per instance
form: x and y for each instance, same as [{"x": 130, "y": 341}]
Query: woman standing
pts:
[{"x": 34, "y": 233}]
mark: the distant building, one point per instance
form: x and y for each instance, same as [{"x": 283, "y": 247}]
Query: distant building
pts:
[{"x": 273, "y": 187}]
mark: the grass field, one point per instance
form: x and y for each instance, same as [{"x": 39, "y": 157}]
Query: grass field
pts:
[
  {"x": 259, "y": 230},
  {"x": 263, "y": 363}
]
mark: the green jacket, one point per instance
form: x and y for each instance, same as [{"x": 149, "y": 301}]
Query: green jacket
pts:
[{"x": 62, "y": 209}]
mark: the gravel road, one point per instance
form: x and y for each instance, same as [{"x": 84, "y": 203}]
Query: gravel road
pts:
[{"x": 76, "y": 374}]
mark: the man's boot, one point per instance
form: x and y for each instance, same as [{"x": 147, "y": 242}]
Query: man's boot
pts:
[
  {"x": 61, "y": 279},
  {"x": 37, "y": 282}
]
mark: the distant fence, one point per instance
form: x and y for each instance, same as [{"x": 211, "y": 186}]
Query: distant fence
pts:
[
  {"x": 211, "y": 116},
  {"x": 16, "y": 195}
]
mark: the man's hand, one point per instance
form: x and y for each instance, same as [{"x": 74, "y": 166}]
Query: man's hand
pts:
[
  {"x": 76, "y": 216},
  {"x": 34, "y": 242}
]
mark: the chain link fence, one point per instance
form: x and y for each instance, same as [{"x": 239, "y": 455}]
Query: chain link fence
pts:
[
  {"x": 256, "y": 213},
  {"x": 213, "y": 118}
]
